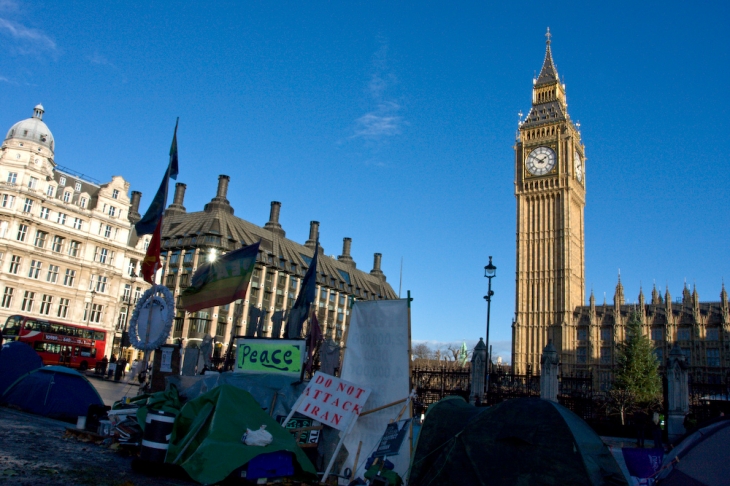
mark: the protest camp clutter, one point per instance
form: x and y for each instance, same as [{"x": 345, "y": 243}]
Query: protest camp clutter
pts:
[{"x": 332, "y": 401}]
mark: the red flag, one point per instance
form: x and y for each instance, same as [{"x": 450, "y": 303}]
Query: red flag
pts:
[
  {"x": 315, "y": 336},
  {"x": 152, "y": 258}
]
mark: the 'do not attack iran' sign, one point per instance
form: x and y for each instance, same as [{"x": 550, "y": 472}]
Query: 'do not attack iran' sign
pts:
[{"x": 332, "y": 401}]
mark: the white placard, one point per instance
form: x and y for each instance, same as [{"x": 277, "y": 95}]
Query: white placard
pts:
[
  {"x": 166, "y": 359},
  {"x": 332, "y": 401}
]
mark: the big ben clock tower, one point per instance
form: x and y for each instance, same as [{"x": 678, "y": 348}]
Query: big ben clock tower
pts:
[{"x": 550, "y": 192}]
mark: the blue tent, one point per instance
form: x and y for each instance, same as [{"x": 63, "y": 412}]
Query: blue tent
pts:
[
  {"x": 16, "y": 359},
  {"x": 54, "y": 392}
]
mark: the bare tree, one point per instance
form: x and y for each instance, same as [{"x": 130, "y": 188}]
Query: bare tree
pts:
[{"x": 422, "y": 351}]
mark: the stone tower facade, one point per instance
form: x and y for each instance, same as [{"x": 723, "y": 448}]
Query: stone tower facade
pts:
[{"x": 550, "y": 191}]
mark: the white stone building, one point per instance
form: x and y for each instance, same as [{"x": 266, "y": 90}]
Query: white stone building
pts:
[{"x": 67, "y": 249}]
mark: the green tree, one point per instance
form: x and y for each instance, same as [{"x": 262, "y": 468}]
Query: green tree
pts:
[{"x": 637, "y": 382}]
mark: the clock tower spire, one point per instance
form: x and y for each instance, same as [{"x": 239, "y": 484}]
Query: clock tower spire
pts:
[{"x": 550, "y": 193}]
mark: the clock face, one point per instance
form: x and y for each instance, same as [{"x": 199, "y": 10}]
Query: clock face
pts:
[
  {"x": 578, "y": 164},
  {"x": 540, "y": 161}
]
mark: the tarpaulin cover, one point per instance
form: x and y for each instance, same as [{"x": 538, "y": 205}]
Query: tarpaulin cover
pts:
[
  {"x": 521, "y": 441},
  {"x": 53, "y": 391},
  {"x": 701, "y": 458},
  {"x": 376, "y": 357},
  {"x": 262, "y": 386},
  {"x": 213, "y": 425},
  {"x": 16, "y": 359}
]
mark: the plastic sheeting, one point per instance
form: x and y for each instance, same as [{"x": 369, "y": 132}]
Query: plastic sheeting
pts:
[
  {"x": 376, "y": 357},
  {"x": 262, "y": 387},
  {"x": 206, "y": 439}
]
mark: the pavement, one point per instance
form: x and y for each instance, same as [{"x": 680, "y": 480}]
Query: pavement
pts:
[{"x": 37, "y": 451}]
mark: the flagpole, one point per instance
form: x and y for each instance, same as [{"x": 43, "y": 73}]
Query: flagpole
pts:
[
  {"x": 309, "y": 331},
  {"x": 410, "y": 383},
  {"x": 237, "y": 318}
]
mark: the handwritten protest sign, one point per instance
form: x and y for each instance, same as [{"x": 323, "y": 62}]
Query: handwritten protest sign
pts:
[
  {"x": 269, "y": 356},
  {"x": 332, "y": 401}
]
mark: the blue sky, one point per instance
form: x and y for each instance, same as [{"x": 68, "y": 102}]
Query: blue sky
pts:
[{"x": 393, "y": 123}]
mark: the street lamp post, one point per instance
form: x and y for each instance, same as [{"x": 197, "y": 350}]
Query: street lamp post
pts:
[
  {"x": 91, "y": 308},
  {"x": 130, "y": 302},
  {"x": 490, "y": 272}
]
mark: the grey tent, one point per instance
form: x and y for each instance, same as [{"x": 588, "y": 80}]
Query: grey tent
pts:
[
  {"x": 701, "y": 458},
  {"x": 525, "y": 441}
]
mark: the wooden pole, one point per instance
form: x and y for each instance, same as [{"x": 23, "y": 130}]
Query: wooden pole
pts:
[
  {"x": 337, "y": 449},
  {"x": 357, "y": 458},
  {"x": 377, "y": 409},
  {"x": 147, "y": 352}
]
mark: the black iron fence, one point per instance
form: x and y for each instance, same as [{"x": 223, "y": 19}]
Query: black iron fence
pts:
[
  {"x": 434, "y": 383},
  {"x": 708, "y": 400}
]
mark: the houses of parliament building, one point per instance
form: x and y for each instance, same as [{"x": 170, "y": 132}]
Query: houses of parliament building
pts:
[{"x": 550, "y": 188}]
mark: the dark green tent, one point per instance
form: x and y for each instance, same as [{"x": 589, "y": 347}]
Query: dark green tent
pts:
[
  {"x": 206, "y": 437},
  {"x": 525, "y": 441}
]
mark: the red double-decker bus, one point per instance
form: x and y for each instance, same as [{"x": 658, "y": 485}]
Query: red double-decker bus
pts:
[{"x": 58, "y": 343}]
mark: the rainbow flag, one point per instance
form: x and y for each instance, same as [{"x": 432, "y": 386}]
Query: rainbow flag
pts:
[{"x": 221, "y": 281}]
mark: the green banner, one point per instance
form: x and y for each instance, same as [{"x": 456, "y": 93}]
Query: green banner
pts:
[{"x": 270, "y": 356}]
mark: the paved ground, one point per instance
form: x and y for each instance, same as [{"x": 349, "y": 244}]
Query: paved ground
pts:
[{"x": 35, "y": 451}]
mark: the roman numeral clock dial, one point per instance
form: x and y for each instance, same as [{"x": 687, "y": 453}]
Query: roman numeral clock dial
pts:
[{"x": 540, "y": 161}]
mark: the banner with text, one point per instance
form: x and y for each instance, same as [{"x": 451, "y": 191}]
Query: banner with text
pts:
[
  {"x": 281, "y": 356},
  {"x": 376, "y": 356},
  {"x": 333, "y": 401}
]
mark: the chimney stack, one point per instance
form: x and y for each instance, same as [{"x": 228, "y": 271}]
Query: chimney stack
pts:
[
  {"x": 313, "y": 234},
  {"x": 345, "y": 257},
  {"x": 219, "y": 202},
  {"x": 222, "y": 186},
  {"x": 179, "y": 193},
  {"x": 133, "y": 214},
  {"x": 177, "y": 202},
  {"x": 376, "y": 271},
  {"x": 273, "y": 223}
]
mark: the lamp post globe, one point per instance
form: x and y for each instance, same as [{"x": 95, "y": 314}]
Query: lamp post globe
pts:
[{"x": 490, "y": 271}]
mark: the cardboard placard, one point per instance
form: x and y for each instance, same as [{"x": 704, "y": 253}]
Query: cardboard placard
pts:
[
  {"x": 332, "y": 401},
  {"x": 270, "y": 356}
]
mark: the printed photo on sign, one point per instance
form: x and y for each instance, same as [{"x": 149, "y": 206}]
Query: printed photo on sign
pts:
[
  {"x": 305, "y": 436},
  {"x": 281, "y": 356}
]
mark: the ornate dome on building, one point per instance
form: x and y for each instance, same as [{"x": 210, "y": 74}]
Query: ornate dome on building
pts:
[{"x": 32, "y": 129}]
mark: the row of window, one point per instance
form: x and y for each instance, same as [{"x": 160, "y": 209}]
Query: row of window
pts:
[
  {"x": 33, "y": 183},
  {"x": 657, "y": 334},
  {"x": 36, "y": 268},
  {"x": 30, "y": 299},
  {"x": 711, "y": 354},
  {"x": 67, "y": 195}
]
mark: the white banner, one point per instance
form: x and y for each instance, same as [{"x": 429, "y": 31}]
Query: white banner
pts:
[
  {"x": 376, "y": 356},
  {"x": 332, "y": 401}
]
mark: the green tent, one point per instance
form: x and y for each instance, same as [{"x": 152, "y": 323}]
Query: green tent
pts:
[
  {"x": 526, "y": 441},
  {"x": 206, "y": 438}
]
